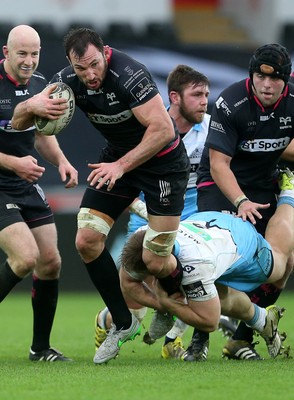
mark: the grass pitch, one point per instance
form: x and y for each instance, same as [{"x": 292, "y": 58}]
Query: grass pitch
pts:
[{"x": 138, "y": 373}]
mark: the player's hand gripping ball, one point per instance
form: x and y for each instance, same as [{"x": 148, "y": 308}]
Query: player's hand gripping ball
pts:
[{"x": 50, "y": 127}]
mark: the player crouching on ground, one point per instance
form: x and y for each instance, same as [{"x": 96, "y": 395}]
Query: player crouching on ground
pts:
[{"x": 222, "y": 257}]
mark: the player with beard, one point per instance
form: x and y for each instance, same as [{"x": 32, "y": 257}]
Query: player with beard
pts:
[
  {"x": 143, "y": 153},
  {"x": 188, "y": 92}
]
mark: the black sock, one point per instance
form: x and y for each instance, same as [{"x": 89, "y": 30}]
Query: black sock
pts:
[
  {"x": 200, "y": 334},
  {"x": 168, "y": 340},
  {"x": 265, "y": 295},
  {"x": 172, "y": 282},
  {"x": 8, "y": 279},
  {"x": 104, "y": 275},
  {"x": 44, "y": 302},
  {"x": 243, "y": 332}
]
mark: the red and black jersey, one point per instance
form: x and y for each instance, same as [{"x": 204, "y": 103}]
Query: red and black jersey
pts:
[
  {"x": 127, "y": 84},
  {"x": 252, "y": 135},
  {"x": 13, "y": 142}
]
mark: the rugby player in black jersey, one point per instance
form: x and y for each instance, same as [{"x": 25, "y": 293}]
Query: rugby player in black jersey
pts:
[
  {"x": 28, "y": 234},
  {"x": 251, "y": 129},
  {"x": 143, "y": 153}
]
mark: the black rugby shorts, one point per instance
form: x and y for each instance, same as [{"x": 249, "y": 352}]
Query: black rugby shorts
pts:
[{"x": 26, "y": 204}]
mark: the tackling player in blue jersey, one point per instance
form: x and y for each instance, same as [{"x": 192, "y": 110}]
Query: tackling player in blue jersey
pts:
[{"x": 222, "y": 257}]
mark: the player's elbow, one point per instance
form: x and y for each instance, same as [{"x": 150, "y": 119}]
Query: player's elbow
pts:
[
  {"x": 16, "y": 124},
  {"x": 19, "y": 125},
  {"x": 210, "y": 326}
]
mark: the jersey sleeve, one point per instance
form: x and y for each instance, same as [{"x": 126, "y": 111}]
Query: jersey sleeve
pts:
[
  {"x": 222, "y": 134},
  {"x": 137, "y": 85}
]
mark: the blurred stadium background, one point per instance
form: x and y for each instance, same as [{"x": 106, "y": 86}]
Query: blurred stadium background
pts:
[{"x": 216, "y": 37}]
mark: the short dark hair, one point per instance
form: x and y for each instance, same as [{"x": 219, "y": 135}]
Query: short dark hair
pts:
[
  {"x": 78, "y": 40},
  {"x": 183, "y": 75}
]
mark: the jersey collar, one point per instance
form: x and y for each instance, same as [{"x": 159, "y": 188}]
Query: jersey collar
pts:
[{"x": 4, "y": 74}]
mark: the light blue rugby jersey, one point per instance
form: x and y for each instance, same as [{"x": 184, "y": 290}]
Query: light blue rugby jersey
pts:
[{"x": 249, "y": 261}]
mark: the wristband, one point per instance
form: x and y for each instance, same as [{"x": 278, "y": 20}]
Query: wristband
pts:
[{"x": 239, "y": 200}]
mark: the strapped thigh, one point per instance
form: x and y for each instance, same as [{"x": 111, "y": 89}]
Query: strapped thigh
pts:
[{"x": 160, "y": 243}]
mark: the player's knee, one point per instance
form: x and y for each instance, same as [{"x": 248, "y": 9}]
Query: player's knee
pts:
[
  {"x": 280, "y": 284},
  {"x": 49, "y": 266},
  {"x": 87, "y": 242},
  {"x": 25, "y": 261},
  {"x": 25, "y": 265},
  {"x": 92, "y": 232}
]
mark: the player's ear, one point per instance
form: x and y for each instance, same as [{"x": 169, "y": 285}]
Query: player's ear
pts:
[
  {"x": 107, "y": 52},
  {"x": 174, "y": 97},
  {"x": 68, "y": 59},
  {"x": 5, "y": 51}
]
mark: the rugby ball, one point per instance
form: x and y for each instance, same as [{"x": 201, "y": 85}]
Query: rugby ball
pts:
[{"x": 50, "y": 127}]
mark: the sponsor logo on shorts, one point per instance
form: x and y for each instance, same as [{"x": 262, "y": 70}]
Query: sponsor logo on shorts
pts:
[
  {"x": 194, "y": 290},
  {"x": 165, "y": 190},
  {"x": 10, "y": 206},
  {"x": 188, "y": 268}
]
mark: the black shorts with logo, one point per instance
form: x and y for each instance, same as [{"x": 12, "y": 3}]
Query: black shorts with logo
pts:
[
  {"x": 24, "y": 204},
  {"x": 163, "y": 181}
]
